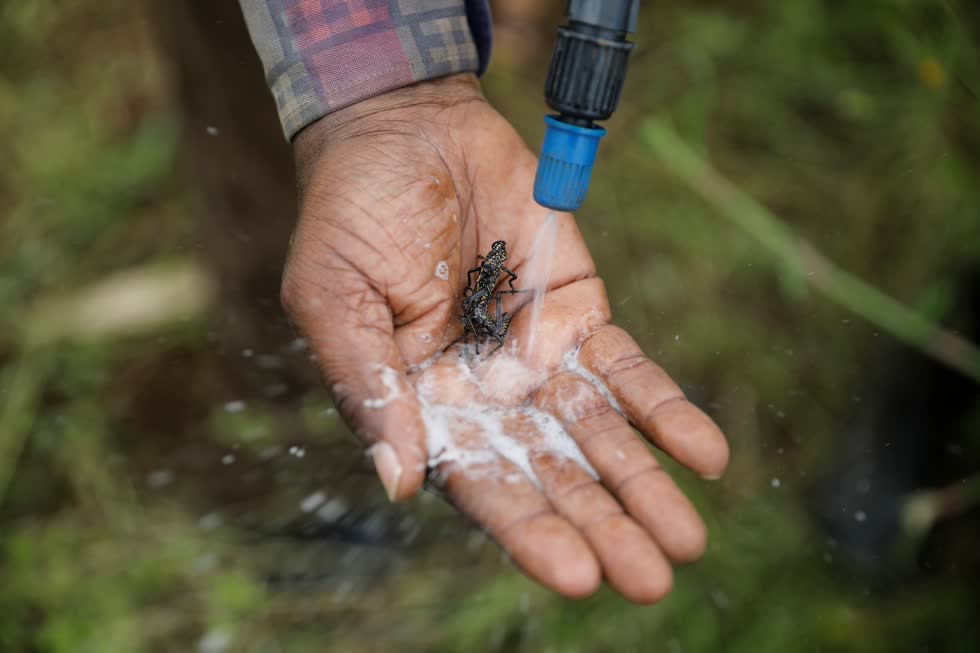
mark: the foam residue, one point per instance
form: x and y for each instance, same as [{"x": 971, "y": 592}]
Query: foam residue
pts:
[
  {"x": 570, "y": 363},
  {"x": 487, "y": 440},
  {"x": 557, "y": 440},
  {"x": 389, "y": 378},
  {"x": 475, "y": 434},
  {"x": 441, "y": 423}
]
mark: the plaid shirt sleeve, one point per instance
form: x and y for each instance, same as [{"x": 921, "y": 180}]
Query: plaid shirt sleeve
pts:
[{"x": 324, "y": 55}]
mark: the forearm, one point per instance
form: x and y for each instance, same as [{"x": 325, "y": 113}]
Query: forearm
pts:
[{"x": 323, "y": 55}]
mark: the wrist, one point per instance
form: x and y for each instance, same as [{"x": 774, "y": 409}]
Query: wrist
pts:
[{"x": 417, "y": 109}]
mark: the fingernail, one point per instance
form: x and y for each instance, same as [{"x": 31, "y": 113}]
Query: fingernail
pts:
[
  {"x": 388, "y": 468},
  {"x": 711, "y": 477}
]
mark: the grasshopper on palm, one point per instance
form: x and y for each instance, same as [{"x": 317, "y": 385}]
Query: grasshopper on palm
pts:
[{"x": 476, "y": 317}]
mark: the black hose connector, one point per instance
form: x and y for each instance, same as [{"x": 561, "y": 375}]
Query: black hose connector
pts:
[
  {"x": 589, "y": 63},
  {"x": 584, "y": 83},
  {"x": 586, "y": 75}
]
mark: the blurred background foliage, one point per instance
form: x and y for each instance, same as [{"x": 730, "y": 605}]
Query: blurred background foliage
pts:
[{"x": 146, "y": 505}]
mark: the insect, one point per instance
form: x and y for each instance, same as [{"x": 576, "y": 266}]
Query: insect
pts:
[{"x": 476, "y": 317}]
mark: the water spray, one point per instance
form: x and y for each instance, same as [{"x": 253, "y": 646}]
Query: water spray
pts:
[{"x": 585, "y": 79}]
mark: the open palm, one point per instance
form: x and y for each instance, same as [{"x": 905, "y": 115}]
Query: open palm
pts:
[{"x": 399, "y": 195}]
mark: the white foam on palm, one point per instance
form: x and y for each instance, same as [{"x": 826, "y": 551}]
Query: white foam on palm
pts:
[
  {"x": 475, "y": 436},
  {"x": 477, "y": 457},
  {"x": 389, "y": 378},
  {"x": 570, "y": 363},
  {"x": 441, "y": 422},
  {"x": 558, "y": 441}
]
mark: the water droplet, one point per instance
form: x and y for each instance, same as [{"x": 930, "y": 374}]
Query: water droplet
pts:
[
  {"x": 332, "y": 510},
  {"x": 210, "y": 521},
  {"x": 442, "y": 271},
  {"x": 205, "y": 563},
  {"x": 159, "y": 478},
  {"x": 720, "y": 599},
  {"x": 215, "y": 640},
  {"x": 312, "y": 502}
]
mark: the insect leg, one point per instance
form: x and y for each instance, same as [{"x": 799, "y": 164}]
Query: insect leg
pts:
[
  {"x": 476, "y": 296},
  {"x": 502, "y": 325},
  {"x": 511, "y": 280},
  {"x": 469, "y": 278},
  {"x": 469, "y": 328},
  {"x": 501, "y": 328}
]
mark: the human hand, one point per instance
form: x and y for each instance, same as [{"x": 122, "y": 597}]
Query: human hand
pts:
[{"x": 398, "y": 196}]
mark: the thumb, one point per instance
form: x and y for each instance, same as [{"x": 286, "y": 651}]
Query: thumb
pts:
[{"x": 349, "y": 327}]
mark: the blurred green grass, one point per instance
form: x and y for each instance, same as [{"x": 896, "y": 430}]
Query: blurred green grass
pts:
[{"x": 858, "y": 124}]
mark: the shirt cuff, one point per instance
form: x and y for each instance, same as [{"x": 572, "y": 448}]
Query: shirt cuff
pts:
[{"x": 324, "y": 55}]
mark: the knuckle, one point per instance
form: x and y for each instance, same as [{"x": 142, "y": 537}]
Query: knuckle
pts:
[
  {"x": 593, "y": 407},
  {"x": 569, "y": 396},
  {"x": 587, "y": 487},
  {"x": 628, "y": 364},
  {"x": 601, "y": 519},
  {"x": 673, "y": 403},
  {"x": 647, "y": 470}
]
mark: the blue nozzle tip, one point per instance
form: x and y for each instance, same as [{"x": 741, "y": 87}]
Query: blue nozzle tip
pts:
[{"x": 565, "y": 167}]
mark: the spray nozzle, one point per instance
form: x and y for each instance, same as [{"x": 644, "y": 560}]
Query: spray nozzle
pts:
[
  {"x": 585, "y": 79},
  {"x": 565, "y": 167}
]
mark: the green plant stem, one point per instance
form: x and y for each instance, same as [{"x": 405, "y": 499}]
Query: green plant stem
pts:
[{"x": 803, "y": 259}]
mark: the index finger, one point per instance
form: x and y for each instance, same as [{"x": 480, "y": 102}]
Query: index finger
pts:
[{"x": 653, "y": 403}]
